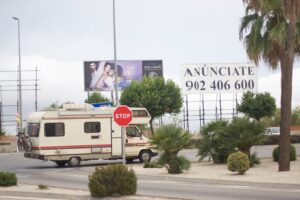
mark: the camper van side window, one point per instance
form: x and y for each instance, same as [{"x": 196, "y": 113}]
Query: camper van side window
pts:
[
  {"x": 139, "y": 113},
  {"x": 92, "y": 127},
  {"x": 33, "y": 129},
  {"x": 54, "y": 129}
]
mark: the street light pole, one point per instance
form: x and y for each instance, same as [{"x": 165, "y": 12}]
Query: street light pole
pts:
[
  {"x": 19, "y": 76},
  {"x": 115, "y": 56}
]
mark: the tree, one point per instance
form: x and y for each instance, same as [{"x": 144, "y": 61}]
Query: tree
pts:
[
  {"x": 96, "y": 97},
  {"x": 257, "y": 105},
  {"x": 54, "y": 106},
  {"x": 271, "y": 32},
  {"x": 2, "y": 132},
  {"x": 158, "y": 96},
  {"x": 273, "y": 120},
  {"x": 171, "y": 139},
  {"x": 296, "y": 116}
]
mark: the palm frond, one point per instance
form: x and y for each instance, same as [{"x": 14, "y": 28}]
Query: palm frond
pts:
[
  {"x": 278, "y": 34},
  {"x": 246, "y": 22}
]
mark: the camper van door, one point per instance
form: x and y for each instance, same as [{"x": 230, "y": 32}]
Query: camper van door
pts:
[{"x": 116, "y": 140}]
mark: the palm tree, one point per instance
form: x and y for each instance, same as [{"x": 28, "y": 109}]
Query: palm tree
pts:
[
  {"x": 244, "y": 134},
  {"x": 171, "y": 139},
  {"x": 271, "y": 33},
  {"x": 212, "y": 144}
]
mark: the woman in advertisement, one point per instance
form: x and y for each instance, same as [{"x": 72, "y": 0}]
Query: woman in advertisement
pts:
[{"x": 103, "y": 78}]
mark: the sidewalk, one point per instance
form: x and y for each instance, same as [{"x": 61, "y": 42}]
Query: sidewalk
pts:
[{"x": 266, "y": 174}]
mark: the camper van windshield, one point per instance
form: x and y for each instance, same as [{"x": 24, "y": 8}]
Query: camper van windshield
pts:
[
  {"x": 133, "y": 131},
  {"x": 33, "y": 129}
]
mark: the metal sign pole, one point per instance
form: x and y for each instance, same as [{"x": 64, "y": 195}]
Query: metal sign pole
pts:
[{"x": 123, "y": 145}]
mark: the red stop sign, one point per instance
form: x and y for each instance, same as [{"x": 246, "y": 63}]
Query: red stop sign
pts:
[{"x": 122, "y": 115}]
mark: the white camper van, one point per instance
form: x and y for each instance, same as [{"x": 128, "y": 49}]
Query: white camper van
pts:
[{"x": 81, "y": 132}]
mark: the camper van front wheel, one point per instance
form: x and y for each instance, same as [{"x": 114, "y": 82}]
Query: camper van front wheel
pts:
[
  {"x": 145, "y": 156},
  {"x": 74, "y": 162},
  {"x": 61, "y": 163}
]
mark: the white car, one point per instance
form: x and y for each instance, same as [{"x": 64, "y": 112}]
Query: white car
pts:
[{"x": 272, "y": 131}]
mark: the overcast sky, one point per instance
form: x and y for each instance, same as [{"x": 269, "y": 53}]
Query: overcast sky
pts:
[{"x": 58, "y": 35}]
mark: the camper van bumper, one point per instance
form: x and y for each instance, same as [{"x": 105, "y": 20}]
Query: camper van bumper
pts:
[{"x": 33, "y": 155}]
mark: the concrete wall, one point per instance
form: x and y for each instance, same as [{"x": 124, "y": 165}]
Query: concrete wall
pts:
[
  {"x": 295, "y": 130},
  {"x": 8, "y": 144}
]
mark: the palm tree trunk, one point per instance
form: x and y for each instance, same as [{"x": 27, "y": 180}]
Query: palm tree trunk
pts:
[
  {"x": 151, "y": 125},
  {"x": 286, "y": 88}
]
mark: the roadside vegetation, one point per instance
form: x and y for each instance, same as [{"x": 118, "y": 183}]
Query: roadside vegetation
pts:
[
  {"x": 43, "y": 186},
  {"x": 96, "y": 97},
  {"x": 212, "y": 144},
  {"x": 54, "y": 106},
  {"x": 221, "y": 138},
  {"x": 270, "y": 32},
  {"x": 112, "y": 181},
  {"x": 170, "y": 139},
  {"x": 274, "y": 120},
  {"x": 2, "y": 132},
  {"x": 8, "y": 179},
  {"x": 238, "y": 162},
  {"x": 257, "y": 106},
  {"x": 293, "y": 154},
  {"x": 157, "y": 95}
]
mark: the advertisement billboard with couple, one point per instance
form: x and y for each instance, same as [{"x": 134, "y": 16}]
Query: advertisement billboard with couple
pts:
[{"x": 100, "y": 75}]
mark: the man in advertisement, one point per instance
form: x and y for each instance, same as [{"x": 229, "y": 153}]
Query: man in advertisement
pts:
[{"x": 99, "y": 75}]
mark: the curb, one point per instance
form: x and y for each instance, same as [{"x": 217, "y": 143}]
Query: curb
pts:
[
  {"x": 222, "y": 182},
  {"x": 59, "y": 196},
  {"x": 46, "y": 195}
]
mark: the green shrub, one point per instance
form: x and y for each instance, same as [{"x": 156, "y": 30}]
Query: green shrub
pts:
[
  {"x": 238, "y": 162},
  {"x": 43, "y": 187},
  {"x": 113, "y": 180},
  {"x": 274, "y": 139},
  {"x": 254, "y": 160},
  {"x": 177, "y": 165},
  {"x": 275, "y": 153},
  {"x": 271, "y": 140},
  {"x": 8, "y": 179},
  {"x": 295, "y": 139}
]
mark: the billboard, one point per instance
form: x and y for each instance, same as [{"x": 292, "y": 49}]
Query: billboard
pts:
[
  {"x": 100, "y": 75},
  {"x": 218, "y": 78}
]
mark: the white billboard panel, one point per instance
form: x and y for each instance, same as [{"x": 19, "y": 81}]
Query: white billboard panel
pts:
[{"x": 218, "y": 78}]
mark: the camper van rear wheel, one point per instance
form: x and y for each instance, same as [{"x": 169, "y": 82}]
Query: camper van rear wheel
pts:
[
  {"x": 74, "y": 162},
  {"x": 145, "y": 156}
]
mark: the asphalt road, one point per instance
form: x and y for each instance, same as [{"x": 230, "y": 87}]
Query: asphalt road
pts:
[{"x": 36, "y": 172}]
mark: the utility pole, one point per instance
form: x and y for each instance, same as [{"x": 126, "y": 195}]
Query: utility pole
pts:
[
  {"x": 19, "y": 76},
  {"x": 115, "y": 56}
]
